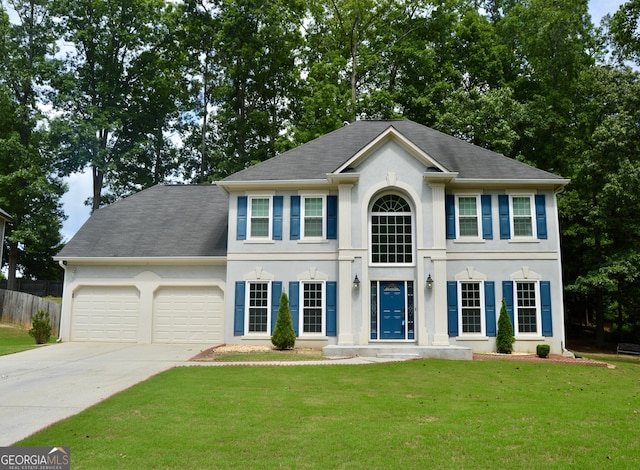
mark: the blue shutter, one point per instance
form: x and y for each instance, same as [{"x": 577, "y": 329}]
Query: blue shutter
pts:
[
  {"x": 452, "y": 307},
  {"x": 277, "y": 218},
  {"x": 507, "y": 294},
  {"x": 490, "y": 307},
  {"x": 487, "y": 225},
  {"x": 276, "y": 292},
  {"x": 450, "y": 209},
  {"x": 242, "y": 218},
  {"x": 541, "y": 216},
  {"x": 503, "y": 209},
  {"x": 294, "y": 304},
  {"x": 332, "y": 309},
  {"x": 238, "y": 314},
  {"x": 545, "y": 303},
  {"x": 332, "y": 217},
  {"x": 295, "y": 218}
]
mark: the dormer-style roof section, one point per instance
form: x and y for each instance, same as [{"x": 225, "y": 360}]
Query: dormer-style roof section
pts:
[
  {"x": 340, "y": 150},
  {"x": 161, "y": 222},
  {"x": 6, "y": 217}
]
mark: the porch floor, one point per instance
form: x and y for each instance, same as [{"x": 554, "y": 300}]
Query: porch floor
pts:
[{"x": 399, "y": 351}]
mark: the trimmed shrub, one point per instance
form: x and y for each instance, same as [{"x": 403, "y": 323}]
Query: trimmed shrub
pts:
[
  {"x": 504, "y": 338},
  {"x": 41, "y": 327},
  {"x": 284, "y": 336},
  {"x": 542, "y": 350}
]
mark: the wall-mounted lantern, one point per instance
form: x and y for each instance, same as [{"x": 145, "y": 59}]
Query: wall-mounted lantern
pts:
[
  {"x": 429, "y": 281},
  {"x": 356, "y": 282}
]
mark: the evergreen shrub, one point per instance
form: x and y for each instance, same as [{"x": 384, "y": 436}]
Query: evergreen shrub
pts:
[
  {"x": 41, "y": 327},
  {"x": 504, "y": 339},
  {"x": 284, "y": 336},
  {"x": 542, "y": 350}
]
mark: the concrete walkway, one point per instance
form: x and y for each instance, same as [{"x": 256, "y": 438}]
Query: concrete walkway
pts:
[{"x": 42, "y": 386}]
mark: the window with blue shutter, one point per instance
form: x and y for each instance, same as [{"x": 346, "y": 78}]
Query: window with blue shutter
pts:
[
  {"x": 507, "y": 294},
  {"x": 487, "y": 225},
  {"x": 276, "y": 229},
  {"x": 450, "y": 210},
  {"x": 332, "y": 217},
  {"x": 503, "y": 212},
  {"x": 294, "y": 304},
  {"x": 545, "y": 308},
  {"x": 238, "y": 314},
  {"x": 276, "y": 292},
  {"x": 452, "y": 307},
  {"x": 295, "y": 218},
  {"x": 541, "y": 216},
  {"x": 332, "y": 309},
  {"x": 241, "y": 231}
]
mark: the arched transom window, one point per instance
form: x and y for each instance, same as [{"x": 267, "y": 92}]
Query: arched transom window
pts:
[{"x": 391, "y": 230}]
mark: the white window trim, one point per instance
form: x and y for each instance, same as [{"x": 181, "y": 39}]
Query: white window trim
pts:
[
  {"x": 473, "y": 238},
  {"x": 483, "y": 315},
  {"x": 534, "y": 234},
  {"x": 301, "y": 333},
  {"x": 538, "y": 332},
  {"x": 303, "y": 236},
  {"x": 269, "y": 237},
  {"x": 247, "y": 306}
]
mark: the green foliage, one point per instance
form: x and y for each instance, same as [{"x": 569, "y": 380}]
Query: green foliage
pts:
[
  {"x": 284, "y": 336},
  {"x": 542, "y": 350},
  {"x": 41, "y": 327},
  {"x": 504, "y": 338}
]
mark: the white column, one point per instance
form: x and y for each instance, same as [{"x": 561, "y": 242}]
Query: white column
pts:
[
  {"x": 345, "y": 274},
  {"x": 441, "y": 334}
]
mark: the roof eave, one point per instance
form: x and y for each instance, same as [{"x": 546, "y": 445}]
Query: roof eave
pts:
[
  {"x": 554, "y": 183},
  {"x": 138, "y": 260},
  {"x": 234, "y": 186}
]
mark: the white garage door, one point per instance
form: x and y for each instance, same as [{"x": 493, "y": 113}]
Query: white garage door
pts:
[
  {"x": 188, "y": 315},
  {"x": 105, "y": 314}
]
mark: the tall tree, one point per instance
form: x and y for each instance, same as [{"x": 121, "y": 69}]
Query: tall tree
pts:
[
  {"x": 112, "y": 41},
  {"x": 27, "y": 188}
]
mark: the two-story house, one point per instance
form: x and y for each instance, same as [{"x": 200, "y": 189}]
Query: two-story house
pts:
[{"x": 387, "y": 236}]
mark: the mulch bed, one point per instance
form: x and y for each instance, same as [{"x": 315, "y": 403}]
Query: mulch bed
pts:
[{"x": 557, "y": 359}]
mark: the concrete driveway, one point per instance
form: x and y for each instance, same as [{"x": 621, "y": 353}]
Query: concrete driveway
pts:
[{"x": 42, "y": 386}]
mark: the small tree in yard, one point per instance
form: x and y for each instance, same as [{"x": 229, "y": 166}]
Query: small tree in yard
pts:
[
  {"x": 504, "y": 339},
  {"x": 284, "y": 336},
  {"x": 41, "y": 327}
]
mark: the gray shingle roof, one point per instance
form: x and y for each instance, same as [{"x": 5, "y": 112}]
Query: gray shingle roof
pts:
[
  {"x": 326, "y": 154},
  {"x": 162, "y": 221}
]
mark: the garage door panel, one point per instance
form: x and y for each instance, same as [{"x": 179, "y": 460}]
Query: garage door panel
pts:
[
  {"x": 105, "y": 314},
  {"x": 188, "y": 315}
]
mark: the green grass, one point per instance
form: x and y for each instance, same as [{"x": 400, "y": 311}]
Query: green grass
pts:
[
  {"x": 416, "y": 414},
  {"x": 14, "y": 339}
]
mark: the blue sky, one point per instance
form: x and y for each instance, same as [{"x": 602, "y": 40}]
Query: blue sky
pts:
[{"x": 80, "y": 183}]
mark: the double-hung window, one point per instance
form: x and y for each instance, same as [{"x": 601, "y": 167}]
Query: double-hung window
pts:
[
  {"x": 468, "y": 216},
  {"x": 313, "y": 216},
  {"x": 527, "y": 308},
  {"x": 522, "y": 216},
  {"x": 258, "y": 317},
  {"x": 259, "y": 217},
  {"x": 312, "y": 311},
  {"x": 471, "y": 308}
]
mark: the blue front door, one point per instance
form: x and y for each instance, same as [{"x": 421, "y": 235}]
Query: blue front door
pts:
[{"x": 392, "y": 309}]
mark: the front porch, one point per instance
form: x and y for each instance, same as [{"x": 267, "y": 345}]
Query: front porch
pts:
[{"x": 400, "y": 351}]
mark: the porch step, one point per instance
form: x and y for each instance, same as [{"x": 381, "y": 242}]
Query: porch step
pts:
[{"x": 391, "y": 355}]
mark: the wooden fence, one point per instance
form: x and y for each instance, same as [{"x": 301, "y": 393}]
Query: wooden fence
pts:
[
  {"x": 39, "y": 288},
  {"x": 19, "y": 308}
]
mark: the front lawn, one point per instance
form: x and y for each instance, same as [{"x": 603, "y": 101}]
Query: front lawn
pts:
[
  {"x": 416, "y": 414},
  {"x": 15, "y": 339}
]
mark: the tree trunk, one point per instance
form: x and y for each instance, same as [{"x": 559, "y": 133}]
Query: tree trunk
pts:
[
  {"x": 98, "y": 181},
  {"x": 13, "y": 266}
]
